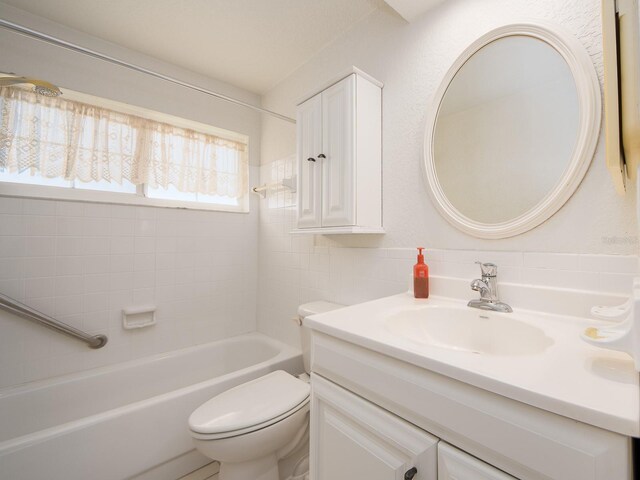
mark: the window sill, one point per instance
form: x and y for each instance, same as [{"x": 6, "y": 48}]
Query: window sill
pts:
[{"x": 95, "y": 196}]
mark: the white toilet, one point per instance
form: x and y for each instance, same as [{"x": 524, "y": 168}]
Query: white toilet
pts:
[{"x": 249, "y": 428}]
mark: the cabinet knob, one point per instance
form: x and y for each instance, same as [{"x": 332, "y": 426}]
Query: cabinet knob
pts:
[
  {"x": 311, "y": 159},
  {"x": 409, "y": 474},
  {"x": 321, "y": 155}
]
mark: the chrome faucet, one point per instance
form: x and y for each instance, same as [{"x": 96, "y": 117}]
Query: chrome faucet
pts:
[{"x": 488, "y": 288}]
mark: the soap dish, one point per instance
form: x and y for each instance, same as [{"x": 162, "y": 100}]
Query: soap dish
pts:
[
  {"x": 138, "y": 317},
  {"x": 618, "y": 312},
  {"x": 623, "y": 336}
]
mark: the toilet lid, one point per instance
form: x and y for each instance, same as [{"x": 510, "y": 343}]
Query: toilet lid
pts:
[{"x": 249, "y": 404}]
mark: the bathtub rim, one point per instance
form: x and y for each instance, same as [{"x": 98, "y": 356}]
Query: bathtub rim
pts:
[{"x": 283, "y": 350}]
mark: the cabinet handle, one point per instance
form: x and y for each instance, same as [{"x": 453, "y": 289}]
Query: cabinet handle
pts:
[
  {"x": 321, "y": 156},
  {"x": 311, "y": 159},
  {"x": 409, "y": 474}
]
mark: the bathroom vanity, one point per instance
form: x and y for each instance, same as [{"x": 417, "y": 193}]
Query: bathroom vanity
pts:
[{"x": 400, "y": 384}]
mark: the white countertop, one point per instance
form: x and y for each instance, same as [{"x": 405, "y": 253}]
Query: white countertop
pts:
[{"x": 570, "y": 378}]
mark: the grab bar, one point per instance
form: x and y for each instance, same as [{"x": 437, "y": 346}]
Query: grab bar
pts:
[{"x": 10, "y": 305}]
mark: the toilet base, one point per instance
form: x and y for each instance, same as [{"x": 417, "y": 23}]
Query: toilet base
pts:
[{"x": 265, "y": 468}]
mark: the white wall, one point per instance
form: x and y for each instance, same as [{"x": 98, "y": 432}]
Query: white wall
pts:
[
  {"x": 411, "y": 60},
  {"x": 151, "y": 245},
  {"x": 83, "y": 263}
]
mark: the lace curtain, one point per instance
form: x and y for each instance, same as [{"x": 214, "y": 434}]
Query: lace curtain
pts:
[{"x": 60, "y": 138}]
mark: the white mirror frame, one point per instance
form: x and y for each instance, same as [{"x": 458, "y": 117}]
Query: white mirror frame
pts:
[{"x": 588, "y": 92}]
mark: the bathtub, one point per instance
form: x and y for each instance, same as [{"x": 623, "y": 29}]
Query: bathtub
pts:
[{"x": 130, "y": 419}]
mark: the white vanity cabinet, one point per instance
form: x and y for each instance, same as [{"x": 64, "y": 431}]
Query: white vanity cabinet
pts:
[
  {"x": 375, "y": 417},
  {"x": 339, "y": 136}
]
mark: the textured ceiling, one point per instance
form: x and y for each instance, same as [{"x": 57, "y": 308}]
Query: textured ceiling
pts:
[{"x": 249, "y": 43}]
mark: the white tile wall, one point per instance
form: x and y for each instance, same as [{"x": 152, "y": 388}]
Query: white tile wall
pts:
[
  {"x": 297, "y": 269},
  {"x": 83, "y": 263}
]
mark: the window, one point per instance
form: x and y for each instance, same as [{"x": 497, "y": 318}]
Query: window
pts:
[{"x": 81, "y": 147}]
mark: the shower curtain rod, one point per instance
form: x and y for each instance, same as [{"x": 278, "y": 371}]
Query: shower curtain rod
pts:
[{"x": 92, "y": 53}]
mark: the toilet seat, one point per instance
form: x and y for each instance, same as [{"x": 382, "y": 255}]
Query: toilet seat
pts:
[
  {"x": 249, "y": 407},
  {"x": 253, "y": 428}
]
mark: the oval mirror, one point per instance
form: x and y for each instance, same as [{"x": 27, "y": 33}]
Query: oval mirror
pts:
[{"x": 514, "y": 127}]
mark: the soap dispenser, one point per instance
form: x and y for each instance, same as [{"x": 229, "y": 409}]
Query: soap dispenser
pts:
[{"x": 420, "y": 277}]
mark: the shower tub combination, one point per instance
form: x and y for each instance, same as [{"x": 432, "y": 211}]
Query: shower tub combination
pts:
[{"x": 127, "y": 420}]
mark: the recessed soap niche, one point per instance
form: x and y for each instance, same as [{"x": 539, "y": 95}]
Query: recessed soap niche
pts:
[{"x": 138, "y": 317}]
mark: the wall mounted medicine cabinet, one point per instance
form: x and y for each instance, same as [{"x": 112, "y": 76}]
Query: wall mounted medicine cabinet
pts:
[{"x": 339, "y": 136}]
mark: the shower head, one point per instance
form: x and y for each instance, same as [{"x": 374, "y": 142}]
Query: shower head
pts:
[{"x": 39, "y": 86}]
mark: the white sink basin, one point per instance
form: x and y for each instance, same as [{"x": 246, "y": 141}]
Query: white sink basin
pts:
[{"x": 469, "y": 330}]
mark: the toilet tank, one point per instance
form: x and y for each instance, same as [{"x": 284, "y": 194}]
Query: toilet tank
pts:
[{"x": 304, "y": 311}]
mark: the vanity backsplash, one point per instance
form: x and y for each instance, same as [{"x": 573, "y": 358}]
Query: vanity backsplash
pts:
[{"x": 353, "y": 275}]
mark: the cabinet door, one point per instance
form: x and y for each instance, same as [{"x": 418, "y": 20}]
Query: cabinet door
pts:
[
  {"x": 309, "y": 130},
  {"x": 353, "y": 439},
  {"x": 454, "y": 464},
  {"x": 338, "y": 147}
]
